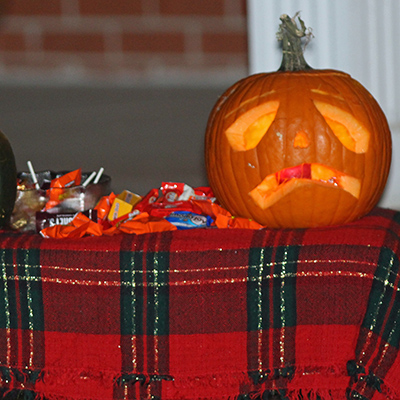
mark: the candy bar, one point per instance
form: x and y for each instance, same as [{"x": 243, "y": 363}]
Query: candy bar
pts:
[
  {"x": 188, "y": 220},
  {"x": 45, "y": 219},
  {"x": 123, "y": 205}
]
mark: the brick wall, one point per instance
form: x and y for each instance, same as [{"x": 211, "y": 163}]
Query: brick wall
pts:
[{"x": 145, "y": 40}]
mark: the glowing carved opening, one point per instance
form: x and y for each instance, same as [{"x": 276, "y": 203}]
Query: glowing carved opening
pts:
[
  {"x": 247, "y": 131},
  {"x": 345, "y": 126},
  {"x": 279, "y": 184}
]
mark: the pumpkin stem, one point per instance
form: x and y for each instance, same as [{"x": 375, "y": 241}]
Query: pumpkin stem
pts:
[{"x": 290, "y": 35}]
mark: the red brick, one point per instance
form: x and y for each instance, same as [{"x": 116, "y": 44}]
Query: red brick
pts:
[
  {"x": 73, "y": 42},
  {"x": 110, "y": 7},
  {"x": 12, "y": 42},
  {"x": 31, "y": 7},
  {"x": 243, "y": 7},
  {"x": 224, "y": 43},
  {"x": 154, "y": 42},
  {"x": 192, "y": 7},
  {"x": 236, "y": 7}
]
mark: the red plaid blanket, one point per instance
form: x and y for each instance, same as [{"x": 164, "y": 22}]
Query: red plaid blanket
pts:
[{"x": 204, "y": 314}]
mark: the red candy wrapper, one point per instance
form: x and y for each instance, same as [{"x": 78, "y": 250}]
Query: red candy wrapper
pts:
[
  {"x": 173, "y": 192},
  {"x": 203, "y": 193},
  {"x": 147, "y": 201},
  {"x": 174, "y": 197}
]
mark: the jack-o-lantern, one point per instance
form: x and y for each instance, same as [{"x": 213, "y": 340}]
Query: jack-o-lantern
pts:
[{"x": 299, "y": 147}]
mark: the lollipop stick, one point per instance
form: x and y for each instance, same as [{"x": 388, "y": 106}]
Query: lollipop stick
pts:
[
  {"x": 33, "y": 174},
  {"x": 98, "y": 176},
  {"x": 89, "y": 179}
]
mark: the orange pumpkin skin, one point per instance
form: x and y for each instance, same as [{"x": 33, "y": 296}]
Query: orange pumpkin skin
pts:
[{"x": 319, "y": 120}]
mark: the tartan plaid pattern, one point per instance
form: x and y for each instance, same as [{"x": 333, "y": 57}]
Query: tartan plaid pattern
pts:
[{"x": 204, "y": 314}]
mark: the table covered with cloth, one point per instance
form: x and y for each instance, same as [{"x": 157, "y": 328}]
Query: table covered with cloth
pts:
[{"x": 204, "y": 314}]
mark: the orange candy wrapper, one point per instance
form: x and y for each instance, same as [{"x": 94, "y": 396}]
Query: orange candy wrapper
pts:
[
  {"x": 144, "y": 223},
  {"x": 149, "y": 214},
  {"x": 81, "y": 226},
  {"x": 58, "y": 185},
  {"x": 103, "y": 208},
  {"x": 223, "y": 218}
]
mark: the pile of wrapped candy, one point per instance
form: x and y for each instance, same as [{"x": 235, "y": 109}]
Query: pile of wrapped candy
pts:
[
  {"x": 172, "y": 206},
  {"x": 74, "y": 204}
]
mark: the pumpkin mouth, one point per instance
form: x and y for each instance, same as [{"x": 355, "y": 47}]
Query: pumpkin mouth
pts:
[{"x": 281, "y": 183}]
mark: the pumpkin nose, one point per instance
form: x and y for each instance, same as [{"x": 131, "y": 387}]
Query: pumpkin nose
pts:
[{"x": 301, "y": 140}]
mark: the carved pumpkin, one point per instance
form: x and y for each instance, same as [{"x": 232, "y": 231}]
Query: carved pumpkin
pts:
[{"x": 299, "y": 147}]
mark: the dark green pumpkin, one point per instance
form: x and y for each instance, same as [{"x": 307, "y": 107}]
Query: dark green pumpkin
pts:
[{"x": 8, "y": 180}]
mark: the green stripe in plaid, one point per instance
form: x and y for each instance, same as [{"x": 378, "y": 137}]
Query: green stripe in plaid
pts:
[
  {"x": 272, "y": 276},
  {"x": 131, "y": 293},
  {"x": 144, "y": 277},
  {"x": 8, "y": 304},
  {"x": 380, "y": 329},
  {"x": 384, "y": 287},
  {"x": 30, "y": 290},
  {"x": 22, "y": 310},
  {"x": 271, "y": 308},
  {"x": 144, "y": 314},
  {"x": 20, "y": 272},
  {"x": 157, "y": 266}
]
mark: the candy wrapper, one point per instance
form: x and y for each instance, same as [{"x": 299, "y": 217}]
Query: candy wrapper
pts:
[
  {"x": 103, "y": 209},
  {"x": 58, "y": 193},
  {"x": 173, "y": 206},
  {"x": 145, "y": 223},
  {"x": 45, "y": 219},
  {"x": 172, "y": 198},
  {"x": 80, "y": 226},
  {"x": 123, "y": 204},
  {"x": 184, "y": 206},
  {"x": 65, "y": 188},
  {"x": 189, "y": 220},
  {"x": 147, "y": 201}
]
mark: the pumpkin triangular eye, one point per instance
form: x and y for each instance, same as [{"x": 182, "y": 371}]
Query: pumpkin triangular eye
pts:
[
  {"x": 353, "y": 135},
  {"x": 247, "y": 131}
]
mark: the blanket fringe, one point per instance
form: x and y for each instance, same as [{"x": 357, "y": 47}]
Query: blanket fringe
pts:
[
  {"x": 297, "y": 383},
  {"x": 362, "y": 378},
  {"x": 19, "y": 383},
  {"x": 259, "y": 377},
  {"x": 26, "y": 376},
  {"x": 316, "y": 394},
  {"x": 289, "y": 383},
  {"x": 313, "y": 394},
  {"x": 21, "y": 394},
  {"x": 143, "y": 379}
]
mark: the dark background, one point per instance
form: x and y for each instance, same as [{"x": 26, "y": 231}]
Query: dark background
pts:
[{"x": 141, "y": 136}]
